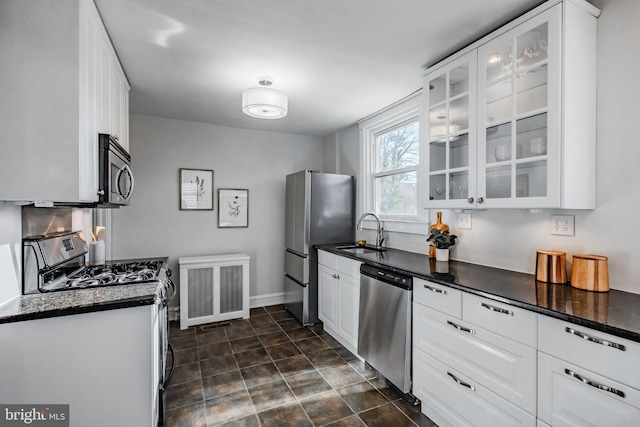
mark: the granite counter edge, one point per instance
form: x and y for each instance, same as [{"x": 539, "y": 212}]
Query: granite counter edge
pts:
[{"x": 92, "y": 308}]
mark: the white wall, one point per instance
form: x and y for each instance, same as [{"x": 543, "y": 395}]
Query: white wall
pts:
[
  {"x": 509, "y": 238},
  {"x": 340, "y": 153},
  {"x": 258, "y": 161},
  {"x": 10, "y": 252}
]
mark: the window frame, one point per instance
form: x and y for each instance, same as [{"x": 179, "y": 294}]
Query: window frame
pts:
[{"x": 401, "y": 113}]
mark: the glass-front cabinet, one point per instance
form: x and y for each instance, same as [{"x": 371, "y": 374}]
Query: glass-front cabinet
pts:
[
  {"x": 509, "y": 122},
  {"x": 518, "y": 113},
  {"x": 449, "y": 133}
]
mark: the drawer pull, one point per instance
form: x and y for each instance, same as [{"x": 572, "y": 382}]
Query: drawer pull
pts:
[
  {"x": 462, "y": 383},
  {"x": 594, "y": 384},
  {"x": 461, "y": 328},
  {"x": 579, "y": 334},
  {"x": 496, "y": 309},
  {"x": 436, "y": 290}
]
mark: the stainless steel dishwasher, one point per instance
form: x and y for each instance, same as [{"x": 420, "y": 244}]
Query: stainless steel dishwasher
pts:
[{"x": 384, "y": 338}]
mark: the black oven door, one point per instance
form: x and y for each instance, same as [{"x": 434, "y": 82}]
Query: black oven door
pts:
[{"x": 116, "y": 177}]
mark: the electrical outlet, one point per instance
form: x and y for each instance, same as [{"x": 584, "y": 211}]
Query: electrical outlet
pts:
[
  {"x": 464, "y": 221},
  {"x": 562, "y": 225}
]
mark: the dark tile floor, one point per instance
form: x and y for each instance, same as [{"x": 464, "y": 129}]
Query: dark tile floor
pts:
[{"x": 268, "y": 370}]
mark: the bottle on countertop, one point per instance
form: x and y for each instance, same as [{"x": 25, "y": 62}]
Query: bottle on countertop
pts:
[{"x": 439, "y": 226}]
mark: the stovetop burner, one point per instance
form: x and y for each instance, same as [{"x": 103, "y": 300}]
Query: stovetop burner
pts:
[{"x": 114, "y": 274}]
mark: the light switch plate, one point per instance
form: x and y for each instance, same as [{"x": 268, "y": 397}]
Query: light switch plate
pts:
[
  {"x": 464, "y": 221},
  {"x": 562, "y": 225}
]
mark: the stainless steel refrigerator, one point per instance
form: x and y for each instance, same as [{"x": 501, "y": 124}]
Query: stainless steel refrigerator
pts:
[{"x": 320, "y": 208}]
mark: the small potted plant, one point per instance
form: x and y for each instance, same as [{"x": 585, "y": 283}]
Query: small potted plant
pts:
[{"x": 442, "y": 241}]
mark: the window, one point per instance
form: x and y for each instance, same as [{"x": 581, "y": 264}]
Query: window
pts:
[
  {"x": 389, "y": 162},
  {"x": 395, "y": 173}
]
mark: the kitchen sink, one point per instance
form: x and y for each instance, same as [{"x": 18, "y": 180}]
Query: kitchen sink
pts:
[
  {"x": 360, "y": 250},
  {"x": 357, "y": 249}
]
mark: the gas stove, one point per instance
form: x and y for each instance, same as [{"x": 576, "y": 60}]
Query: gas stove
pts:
[
  {"x": 114, "y": 274},
  {"x": 56, "y": 263}
]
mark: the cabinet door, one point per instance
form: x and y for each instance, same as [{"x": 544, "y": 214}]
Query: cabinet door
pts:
[
  {"x": 519, "y": 114},
  {"x": 348, "y": 308},
  {"x": 569, "y": 395},
  {"x": 449, "y": 134},
  {"x": 327, "y": 296}
]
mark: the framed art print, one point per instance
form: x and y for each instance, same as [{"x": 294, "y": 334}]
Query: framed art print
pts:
[
  {"x": 233, "y": 208},
  {"x": 196, "y": 189}
]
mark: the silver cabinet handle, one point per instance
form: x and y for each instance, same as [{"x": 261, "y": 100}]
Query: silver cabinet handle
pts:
[
  {"x": 470, "y": 200},
  {"x": 461, "y": 328},
  {"x": 496, "y": 309},
  {"x": 481, "y": 200},
  {"x": 594, "y": 384},
  {"x": 436, "y": 290},
  {"x": 462, "y": 383},
  {"x": 595, "y": 340}
]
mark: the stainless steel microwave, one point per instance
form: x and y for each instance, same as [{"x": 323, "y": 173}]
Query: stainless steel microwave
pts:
[{"x": 115, "y": 176}]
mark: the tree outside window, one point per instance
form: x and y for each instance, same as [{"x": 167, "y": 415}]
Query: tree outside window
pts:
[{"x": 395, "y": 171}]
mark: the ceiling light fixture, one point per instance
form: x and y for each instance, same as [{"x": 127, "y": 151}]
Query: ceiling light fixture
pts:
[{"x": 263, "y": 102}]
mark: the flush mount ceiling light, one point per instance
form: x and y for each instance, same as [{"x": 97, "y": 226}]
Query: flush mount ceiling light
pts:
[{"x": 263, "y": 102}]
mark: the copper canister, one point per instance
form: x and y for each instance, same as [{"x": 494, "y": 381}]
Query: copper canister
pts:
[
  {"x": 590, "y": 272},
  {"x": 551, "y": 266}
]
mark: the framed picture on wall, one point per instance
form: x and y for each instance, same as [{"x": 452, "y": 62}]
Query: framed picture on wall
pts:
[
  {"x": 196, "y": 189},
  {"x": 233, "y": 208}
]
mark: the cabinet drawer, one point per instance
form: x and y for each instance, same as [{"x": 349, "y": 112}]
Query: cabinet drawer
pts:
[
  {"x": 573, "y": 396},
  {"x": 505, "y": 367},
  {"x": 611, "y": 356},
  {"x": 512, "y": 322},
  {"x": 348, "y": 266},
  {"x": 328, "y": 259},
  {"x": 438, "y": 297},
  {"x": 450, "y": 398}
]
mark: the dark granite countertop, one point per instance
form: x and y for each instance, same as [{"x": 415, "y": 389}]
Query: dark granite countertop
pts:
[
  {"x": 614, "y": 312},
  {"x": 66, "y": 302}
]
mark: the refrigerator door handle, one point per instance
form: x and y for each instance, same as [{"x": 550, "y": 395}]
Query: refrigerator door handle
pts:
[
  {"x": 300, "y": 254},
  {"x": 295, "y": 280}
]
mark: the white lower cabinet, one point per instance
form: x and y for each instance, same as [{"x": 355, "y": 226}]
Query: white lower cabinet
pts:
[
  {"x": 506, "y": 367},
  {"x": 480, "y": 362},
  {"x": 470, "y": 368},
  {"x": 339, "y": 297},
  {"x": 450, "y": 398},
  {"x": 348, "y": 308},
  {"x": 586, "y": 377},
  {"x": 105, "y": 365},
  {"x": 569, "y": 395}
]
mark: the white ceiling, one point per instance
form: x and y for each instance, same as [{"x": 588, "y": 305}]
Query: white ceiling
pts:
[{"x": 337, "y": 60}]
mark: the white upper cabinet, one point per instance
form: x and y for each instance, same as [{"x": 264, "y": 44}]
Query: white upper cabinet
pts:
[
  {"x": 62, "y": 85},
  {"x": 517, "y": 130},
  {"x": 449, "y": 109}
]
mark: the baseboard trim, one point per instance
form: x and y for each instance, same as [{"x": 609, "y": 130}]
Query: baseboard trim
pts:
[
  {"x": 174, "y": 314},
  {"x": 254, "y": 302},
  {"x": 266, "y": 300}
]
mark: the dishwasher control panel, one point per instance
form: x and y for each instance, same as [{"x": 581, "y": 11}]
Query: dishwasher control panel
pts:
[{"x": 387, "y": 276}]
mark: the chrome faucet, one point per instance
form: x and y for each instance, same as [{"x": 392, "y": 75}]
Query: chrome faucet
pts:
[{"x": 380, "y": 236}]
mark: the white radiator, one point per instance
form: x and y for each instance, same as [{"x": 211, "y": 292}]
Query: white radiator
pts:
[{"x": 213, "y": 288}]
